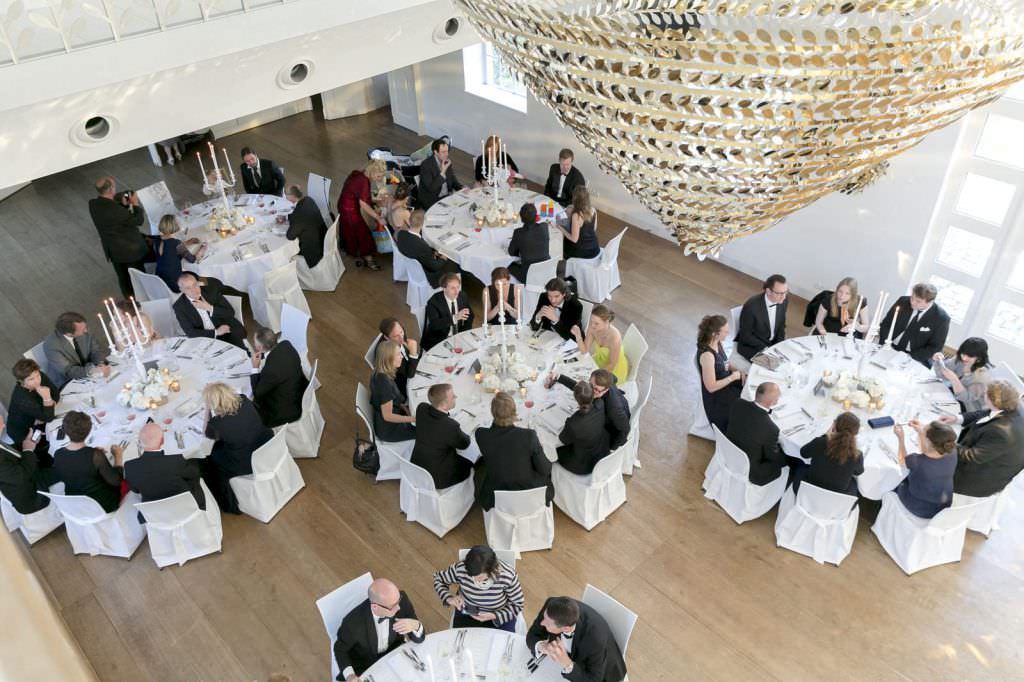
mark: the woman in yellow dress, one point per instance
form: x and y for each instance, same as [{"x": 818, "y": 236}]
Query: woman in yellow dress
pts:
[{"x": 604, "y": 343}]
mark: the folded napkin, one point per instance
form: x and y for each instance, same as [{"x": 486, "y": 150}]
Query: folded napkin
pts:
[{"x": 187, "y": 407}]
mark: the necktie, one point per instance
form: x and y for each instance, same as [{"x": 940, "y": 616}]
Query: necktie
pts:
[
  {"x": 455, "y": 328},
  {"x": 256, "y": 172},
  {"x": 913, "y": 318},
  {"x": 78, "y": 352},
  {"x": 381, "y": 620}
]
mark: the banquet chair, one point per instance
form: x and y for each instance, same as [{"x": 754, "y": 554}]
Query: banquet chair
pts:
[
  {"x": 294, "y": 325},
  {"x": 1005, "y": 372},
  {"x": 178, "y": 530},
  {"x": 236, "y": 305},
  {"x": 421, "y": 318},
  {"x": 586, "y": 309},
  {"x": 817, "y": 523},
  {"x": 985, "y": 518},
  {"x": 161, "y": 314},
  {"x": 319, "y": 190},
  {"x": 438, "y": 511},
  {"x": 326, "y": 274},
  {"x": 280, "y": 286},
  {"x": 520, "y": 521},
  {"x": 597, "y": 277},
  {"x": 399, "y": 262},
  {"x": 589, "y": 500},
  {"x": 274, "y": 480},
  {"x": 93, "y": 531},
  {"x": 537, "y": 276},
  {"x": 631, "y": 448},
  {"x": 736, "y": 360},
  {"x": 418, "y": 290},
  {"x": 391, "y": 454},
  {"x": 915, "y": 543},
  {"x": 148, "y": 287},
  {"x": 634, "y": 345},
  {"x": 304, "y": 434},
  {"x": 507, "y": 558},
  {"x": 371, "y": 352},
  {"x": 37, "y": 525},
  {"x": 620, "y": 619},
  {"x": 335, "y": 605},
  {"x": 37, "y": 353},
  {"x": 726, "y": 481}
]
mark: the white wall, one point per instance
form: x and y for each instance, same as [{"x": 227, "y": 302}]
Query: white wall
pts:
[{"x": 356, "y": 98}]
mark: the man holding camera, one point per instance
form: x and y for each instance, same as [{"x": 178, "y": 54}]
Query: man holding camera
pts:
[{"x": 118, "y": 217}]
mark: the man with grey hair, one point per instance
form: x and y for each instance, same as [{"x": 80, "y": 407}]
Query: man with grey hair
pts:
[
  {"x": 277, "y": 379},
  {"x": 752, "y": 430},
  {"x": 379, "y": 625},
  {"x": 155, "y": 475},
  {"x": 306, "y": 224},
  {"x": 117, "y": 218},
  {"x": 202, "y": 310}
]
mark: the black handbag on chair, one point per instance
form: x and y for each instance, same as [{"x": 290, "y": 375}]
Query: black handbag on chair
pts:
[{"x": 365, "y": 457}]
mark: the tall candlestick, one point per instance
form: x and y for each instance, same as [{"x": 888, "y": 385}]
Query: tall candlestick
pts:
[
  {"x": 134, "y": 329},
  {"x": 430, "y": 668},
  {"x": 110, "y": 343},
  {"x": 472, "y": 668},
  {"x": 892, "y": 325},
  {"x": 201, "y": 169},
  {"x": 483, "y": 152},
  {"x": 487, "y": 305},
  {"x": 856, "y": 312},
  {"x": 213, "y": 155},
  {"x": 504, "y": 157},
  {"x": 227, "y": 164},
  {"x": 519, "y": 306}
]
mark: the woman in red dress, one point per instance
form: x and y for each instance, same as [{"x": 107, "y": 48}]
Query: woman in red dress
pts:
[{"x": 355, "y": 211}]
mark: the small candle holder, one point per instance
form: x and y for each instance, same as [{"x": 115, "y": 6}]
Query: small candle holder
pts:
[
  {"x": 478, "y": 377},
  {"x": 250, "y": 220},
  {"x": 533, "y": 375},
  {"x": 880, "y": 403},
  {"x": 479, "y": 222},
  {"x": 522, "y": 391},
  {"x": 175, "y": 386},
  {"x": 847, "y": 404}
]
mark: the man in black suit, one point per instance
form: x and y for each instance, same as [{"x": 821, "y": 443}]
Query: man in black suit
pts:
[
  {"x": 447, "y": 312},
  {"x": 306, "y": 224},
  {"x": 921, "y": 324},
  {"x": 72, "y": 352},
  {"x": 584, "y": 438},
  {"x": 260, "y": 176},
  {"x": 762, "y": 321},
  {"x": 411, "y": 244},
  {"x": 530, "y": 243},
  {"x": 203, "y": 311},
  {"x": 576, "y": 638},
  {"x": 438, "y": 437},
  {"x": 378, "y": 626},
  {"x": 157, "y": 476},
  {"x": 616, "y": 407},
  {"x": 557, "y": 311},
  {"x": 437, "y": 177},
  {"x": 752, "y": 430},
  {"x": 990, "y": 448},
  {"x": 117, "y": 218},
  {"x": 563, "y": 179},
  {"x": 277, "y": 388},
  {"x": 21, "y": 478}
]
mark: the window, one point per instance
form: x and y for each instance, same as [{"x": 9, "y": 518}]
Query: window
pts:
[
  {"x": 1008, "y": 323},
  {"x": 1002, "y": 140},
  {"x": 489, "y": 76},
  {"x": 984, "y": 198},
  {"x": 954, "y": 298},
  {"x": 965, "y": 251}
]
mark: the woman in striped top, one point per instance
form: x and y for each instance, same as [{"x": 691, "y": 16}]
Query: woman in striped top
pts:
[{"x": 489, "y": 592}]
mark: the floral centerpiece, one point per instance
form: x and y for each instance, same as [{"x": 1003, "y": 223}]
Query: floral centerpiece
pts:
[
  {"x": 227, "y": 221},
  {"x": 861, "y": 392},
  {"x": 149, "y": 392},
  {"x": 495, "y": 214},
  {"x": 504, "y": 371}
]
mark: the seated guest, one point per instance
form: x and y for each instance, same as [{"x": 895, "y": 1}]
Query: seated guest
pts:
[
  {"x": 86, "y": 470},
  {"x": 278, "y": 381},
  {"x": 170, "y": 251},
  {"x": 604, "y": 343},
  {"x": 375, "y": 628},
  {"x": 489, "y": 596},
  {"x": 492, "y": 152},
  {"x": 357, "y": 216},
  {"x": 584, "y": 438},
  {"x": 990, "y": 448},
  {"x": 32, "y": 404},
  {"x": 754, "y": 432},
  {"x": 967, "y": 375},
  {"x": 557, "y": 311},
  {"x": 835, "y": 460},
  {"x": 306, "y": 224},
  {"x": 928, "y": 487},
  {"x": 411, "y": 244},
  {"x": 720, "y": 383},
  {"x": 576, "y": 639},
  {"x": 836, "y": 315},
  {"x": 392, "y": 330},
  {"x": 72, "y": 352},
  {"x": 437, "y": 177},
  {"x": 511, "y": 457},
  {"x": 921, "y": 324},
  {"x": 763, "y": 319},
  {"x": 616, "y": 407},
  {"x": 157, "y": 476},
  {"x": 399, "y": 211},
  {"x": 563, "y": 179},
  {"x": 392, "y": 422},
  {"x": 530, "y": 243},
  {"x": 438, "y": 439},
  {"x": 260, "y": 176},
  {"x": 21, "y": 479},
  {"x": 140, "y": 323},
  {"x": 503, "y": 312},
  {"x": 202, "y": 310},
  {"x": 580, "y": 240},
  {"x": 447, "y": 312},
  {"x": 235, "y": 427}
]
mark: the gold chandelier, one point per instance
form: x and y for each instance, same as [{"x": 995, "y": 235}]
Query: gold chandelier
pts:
[{"x": 724, "y": 116}]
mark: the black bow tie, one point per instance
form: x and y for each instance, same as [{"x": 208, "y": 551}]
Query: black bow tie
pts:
[
  {"x": 772, "y": 305},
  {"x": 385, "y": 618},
  {"x": 568, "y": 635}
]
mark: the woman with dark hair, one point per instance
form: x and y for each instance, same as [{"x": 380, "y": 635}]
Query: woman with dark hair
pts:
[
  {"x": 604, "y": 342},
  {"x": 928, "y": 487},
  {"x": 580, "y": 240},
  {"x": 503, "y": 312},
  {"x": 835, "y": 460},
  {"x": 585, "y": 441},
  {"x": 86, "y": 470},
  {"x": 967, "y": 375},
  {"x": 33, "y": 401},
  {"x": 493, "y": 149},
  {"x": 392, "y": 330},
  {"x": 490, "y": 595},
  {"x": 398, "y": 210},
  {"x": 720, "y": 384}
]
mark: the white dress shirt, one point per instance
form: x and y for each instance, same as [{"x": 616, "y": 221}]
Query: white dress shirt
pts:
[
  {"x": 204, "y": 315},
  {"x": 772, "y": 309},
  {"x": 448, "y": 302},
  {"x": 561, "y": 183},
  {"x": 383, "y": 633},
  {"x": 991, "y": 415},
  {"x": 565, "y": 639}
]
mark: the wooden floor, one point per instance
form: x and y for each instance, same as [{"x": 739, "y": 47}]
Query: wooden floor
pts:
[{"x": 716, "y": 600}]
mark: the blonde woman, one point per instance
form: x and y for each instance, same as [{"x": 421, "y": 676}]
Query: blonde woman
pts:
[
  {"x": 836, "y": 317},
  {"x": 391, "y": 419},
  {"x": 170, "y": 251},
  {"x": 580, "y": 240},
  {"x": 604, "y": 343},
  {"x": 357, "y": 214},
  {"x": 237, "y": 431}
]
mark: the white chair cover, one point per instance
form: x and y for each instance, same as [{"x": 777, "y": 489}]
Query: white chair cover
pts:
[
  {"x": 399, "y": 263},
  {"x": 318, "y": 188},
  {"x": 178, "y": 530},
  {"x": 371, "y": 352},
  {"x": 335, "y": 605},
  {"x": 537, "y": 276},
  {"x": 915, "y": 543},
  {"x": 597, "y": 277},
  {"x": 327, "y": 273},
  {"x": 390, "y": 454},
  {"x": 274, "y": 480},
  {"x": 587, "y": 308},
  {"x": 437, "y": 510},
  {"x": 734, "y": 326},
  {"x": 621, "y": 620},
  {"x": 148, "y": 287},
  {"x": 304, "y": 435},
  {"x": 294, "y": 324},
  {"x": 161, "y": 314},
  {"x": 418, "y": 290},
  {"x": 589, "y": 500},
  {"x": 634, "y": 345},
  {"x": 1005, "y": 372},
  {"x": 236, "y": 305},
  {"x": 280, "y": 286},
  {"x": 726, "y": 482},
  {"x": 817, "y": 523},
  {"x": 37, "y": 353},
  {"x": 37, "y": 525},
  {"x": 631, "y": 448},
  {"x": 93, "y": 531},
  {"x": 989, "y": 510},
  {"x": 520, "y": 521}
]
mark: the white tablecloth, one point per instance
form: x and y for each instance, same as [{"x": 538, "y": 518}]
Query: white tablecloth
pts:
[
  {"x": 486, "y": 647},
  {"x": 911, "y": 392},
  {"x": 451, "y": 229},
  {"x": 197, "y": 361},
  {"x": 543, "y": 353}
]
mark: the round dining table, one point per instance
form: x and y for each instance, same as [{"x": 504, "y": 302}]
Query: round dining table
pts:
[
  {"x": 807, "y": 406},
  {"x": 451, "y": 229}
]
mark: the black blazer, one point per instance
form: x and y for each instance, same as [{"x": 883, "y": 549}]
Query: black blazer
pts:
[
  {"x": 826, "y": 473},
  {"x": 616, "y": 412},
  {"x": 595, "y": 655},
  {"x": 989, "y": 454},
  {"x": 277, "y": 390},
  {"x": 431, "y": 182},
  {"x": 306, "y": 224},
  {"x": 754, "y": 432},
  {"x": 271, "y": 178},
  {"x": 27, "y": 408},
  {"x": 19, "y": 480},
  {"x": 926, "y": 338},
  {"x": 478, "y": 167},
  {"x": 413, "y": 246},
  {"x": 438, "y": 320},
  {"x": 119, "y": 230},
  {"x": 572, "y": 316},
  {"x": 512, "y": 458},
  {"x": 531, "y": 244},
  {"x": 192, "y": 324},
  {"x": 754, "y": 333},
  {"x": 156, "y": 476},
  {"x": 585, "y": 440},
  {"x": 237, "y": 436},
  {"x": 438, "y": 436},
  {"x": 356, "y": 645},
  {"x": 87, "y": 471},
  {"x": 573, "y": 180}
]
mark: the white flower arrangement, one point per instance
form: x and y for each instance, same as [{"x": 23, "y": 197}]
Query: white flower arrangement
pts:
[
  {"x": 860, "y": 399},
  {"x": 225, "y": 221},
  {"x": 521, "y": 372},
  {"x": 495, "y": 214},
  {"x": 840, "y": 393},
  {"x": 509, "y": 385},
  {"x": 491, "y": 382},
  {"x": 141, "y": 394}
]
